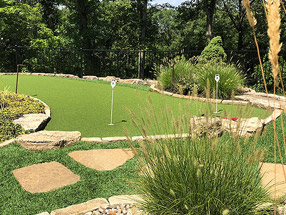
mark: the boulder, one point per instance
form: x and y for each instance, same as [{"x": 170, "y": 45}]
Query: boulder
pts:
[
  {"x": 32, "y": 122},
  {"x": 90, "y": 77},
  {"x": 45, "y": 140},
  {"x": 202, "y": 126},
  {"x": 243, "y": 127}
]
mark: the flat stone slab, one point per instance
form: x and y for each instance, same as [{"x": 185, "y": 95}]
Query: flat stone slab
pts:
[
  {"x": 44, "y": 140},
  {"x": 34, "y": 122},
  {"x": 268, "y": 179},
  {"x": 45, "y": 177},
  {"x": 82, "y": 208},
  {"x": 125, "y": 200},
  {"x": 102, "y": 159}
]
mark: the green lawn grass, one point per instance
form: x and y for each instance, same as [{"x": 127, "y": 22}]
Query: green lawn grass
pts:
[
  {"x": 80, "y": 105},
  {"x": 15, "y": 200},
  {"x": 266, "y": 141}
]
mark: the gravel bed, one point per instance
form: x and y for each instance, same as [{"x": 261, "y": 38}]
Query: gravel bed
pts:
[{"x": 118, "y": 210}]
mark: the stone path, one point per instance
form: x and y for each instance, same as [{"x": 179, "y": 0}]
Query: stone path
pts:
[
  {"x": 260, "y": 100},
  {"x": 102, "y": 159},
  {"x": 267, "y": 170},
  {"x": 45, "y": 177}
]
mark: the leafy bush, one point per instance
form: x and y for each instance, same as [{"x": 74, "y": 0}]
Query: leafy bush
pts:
[
  {"x": 13, "y": 106},
  {"x": 213, "y": 51},
  {"x": 178, "y": 75},
  {"x": 230, "y": 78},
  {"x": 8, "y": 129},
  {"x": 191, "y": 175},
  {"x": 257, "y": 76}
]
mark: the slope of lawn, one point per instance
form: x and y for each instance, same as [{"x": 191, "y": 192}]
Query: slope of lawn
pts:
[
  {"x": 15, "y": 200},
  {"x": 85, "y": 105}
]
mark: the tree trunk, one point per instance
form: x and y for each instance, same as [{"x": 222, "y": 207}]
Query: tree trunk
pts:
[
  {"x": 210, "y": 9},
  {"x": 141, "y": 59}
]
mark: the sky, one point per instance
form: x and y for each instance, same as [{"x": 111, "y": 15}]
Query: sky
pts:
[{"x": 171, "y": 2}]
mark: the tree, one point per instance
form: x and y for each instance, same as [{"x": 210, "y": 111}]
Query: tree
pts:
[{"x": 210, "y": 10}]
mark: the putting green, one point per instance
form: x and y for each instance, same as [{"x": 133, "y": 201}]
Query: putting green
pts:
[{"x": 80, "y": 105}]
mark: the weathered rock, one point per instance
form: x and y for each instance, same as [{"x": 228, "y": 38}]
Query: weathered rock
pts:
[
  {"x": 92, "y": 139},
  {"x": 244, "y": 90},
  {"x": 133, "y": 81},
  {"x": 235, "y": 102},
  {"x": 66, "y": 76},
  {"x": 44, "y": 213},
  {"x": 202, "y": 126},
  {"x": 7, "y": 143},
  {"x": 125, "y": 199},
  {"x": 102, "y": 159},
  {"x": 44, "y": 177},
  {"x": 90, "y": 77},
  {"x": 33, "y": 122},
  {"x": 81, "y": 208},
  {"x": 275, "y": 114},
  {"x": 242, "y": 127},
  {"x": 178, "y": 95},
  {"x": 114, "y": 139},
  {"x": 264, "y": 206},
  {"x": 44, "y": 140},
  {"x": 109, "y": 78}
]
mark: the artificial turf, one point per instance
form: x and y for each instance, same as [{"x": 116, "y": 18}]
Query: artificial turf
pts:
[
  {"x": 15, "y": 200},
  {"x": 80, "y": 105}
]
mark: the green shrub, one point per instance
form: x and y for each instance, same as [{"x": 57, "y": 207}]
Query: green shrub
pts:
[
  {"x": 13, "y": 106},
  {"x": 257, "y": 76},
  {"x": 230, "y": 78},
  {"x": 196, "y": 175},
  {"x": 8, "y": 129},
  {"x": 213, "y": 51},
  {"x": 178, "y": 75}
]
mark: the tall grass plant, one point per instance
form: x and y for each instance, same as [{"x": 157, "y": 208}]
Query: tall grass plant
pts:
[{"x": 194, "y": 174}]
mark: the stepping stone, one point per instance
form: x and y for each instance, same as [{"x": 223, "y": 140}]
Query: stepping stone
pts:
[
  {"x": 45, "y": 177},
  {"x": 44, "y": 140},
  {"x": 102, "y": 159},
  {"x": 268, "y": 179}
]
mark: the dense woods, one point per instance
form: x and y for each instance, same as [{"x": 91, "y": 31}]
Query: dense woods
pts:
[{"x": 121, "y": 37}]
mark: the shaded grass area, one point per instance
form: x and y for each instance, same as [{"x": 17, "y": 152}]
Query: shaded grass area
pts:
[
  {"x": 80, "y": 105},
  {"x": 92, "y": 184}
]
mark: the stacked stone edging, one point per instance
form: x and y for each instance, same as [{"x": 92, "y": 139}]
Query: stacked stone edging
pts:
[{"x": 91, "y": 205}]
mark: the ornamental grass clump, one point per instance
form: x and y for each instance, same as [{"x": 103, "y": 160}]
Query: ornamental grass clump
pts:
[
  {"x": 194, "y": 173},
  {"x": 178, "y": 75},
  {"x": 230, "y": 78}
]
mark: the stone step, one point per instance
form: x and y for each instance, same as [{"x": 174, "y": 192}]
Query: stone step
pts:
[{"x": 44, "y": 140}]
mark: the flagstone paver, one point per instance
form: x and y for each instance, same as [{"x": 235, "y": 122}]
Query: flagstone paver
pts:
[
  {"x": 102, "y": 159},
  {"x": 267, "y": 170},
  {"x": 45, "y": 177}
]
